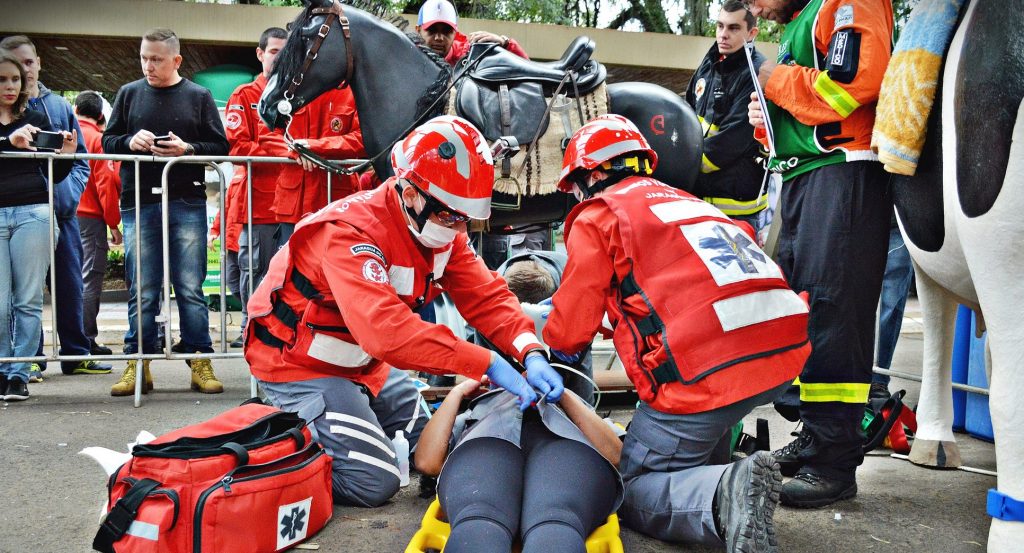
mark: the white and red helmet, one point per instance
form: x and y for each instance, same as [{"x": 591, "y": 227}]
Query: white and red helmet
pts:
[
  {"x": 448, "y": 159},
  {"x": 604, "y": 138}
]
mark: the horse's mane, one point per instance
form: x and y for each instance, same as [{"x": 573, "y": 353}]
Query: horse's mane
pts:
[{"x": 294, "y": 52}]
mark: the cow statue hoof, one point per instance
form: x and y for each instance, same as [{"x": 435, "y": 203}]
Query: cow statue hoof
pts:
[{"x": 935, "y": 454}]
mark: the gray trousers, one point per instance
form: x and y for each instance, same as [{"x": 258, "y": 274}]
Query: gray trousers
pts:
[
  {"x": 356, "y": 429},
  {"x": 669, "y": 488},
  {"x": 264, "y": 246},
  {"x": 93, "y": 233}
]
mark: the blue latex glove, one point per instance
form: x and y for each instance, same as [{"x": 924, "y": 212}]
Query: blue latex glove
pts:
[
  {"x": 546, "y": 302},
  {"x": 567, "y": 358},
  {"x": 502, "y": 374},
  {"x": 545, "y": 379}
]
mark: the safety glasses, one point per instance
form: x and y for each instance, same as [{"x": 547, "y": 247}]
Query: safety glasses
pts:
[{"x": 445, "y": 215}]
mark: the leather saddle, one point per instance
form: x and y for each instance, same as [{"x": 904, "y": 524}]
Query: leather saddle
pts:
[{"x": 502, "y": 84}]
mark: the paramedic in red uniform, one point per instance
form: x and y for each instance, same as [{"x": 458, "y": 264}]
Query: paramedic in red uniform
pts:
[
  {"x": 704, "y": 323},
  {"x": 333, "y": 321},
  {"x": 329, "y": 127}
]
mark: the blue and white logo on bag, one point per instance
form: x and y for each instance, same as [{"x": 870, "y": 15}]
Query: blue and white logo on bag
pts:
[{"x": 293, "y": 522}]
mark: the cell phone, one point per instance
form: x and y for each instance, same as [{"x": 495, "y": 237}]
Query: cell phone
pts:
[
  {"x": 48, "y": 140},
  {"x": 158, "y": 139}
]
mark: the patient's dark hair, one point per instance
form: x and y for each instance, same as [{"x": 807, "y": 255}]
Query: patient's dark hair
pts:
[{"x": 529, "y": 281}]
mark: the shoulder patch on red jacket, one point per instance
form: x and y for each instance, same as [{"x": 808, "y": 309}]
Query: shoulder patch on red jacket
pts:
[
  {"x": 373, "y": 271},
  {"x": 368, "y": 249}
]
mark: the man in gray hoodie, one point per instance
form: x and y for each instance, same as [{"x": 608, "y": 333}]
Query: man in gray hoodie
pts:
[{"x": 68, "y": 259}]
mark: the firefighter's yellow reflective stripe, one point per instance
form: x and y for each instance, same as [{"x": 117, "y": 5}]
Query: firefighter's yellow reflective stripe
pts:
[
  {"x": 836, "y": 96},
  {"x": 730, "y": 206},
  {"x": 706, "y": 166},
  {"x": 849, "y": 392},
  {"x": 707, "y": 129}
]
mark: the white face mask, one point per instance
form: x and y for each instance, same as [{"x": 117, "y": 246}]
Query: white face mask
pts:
[{"x": 433, "y": 235}]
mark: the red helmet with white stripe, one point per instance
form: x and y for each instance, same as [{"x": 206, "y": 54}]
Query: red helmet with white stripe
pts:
[
  {"x": 603, "y": 139},
  {"x": 448, "y": 159}
]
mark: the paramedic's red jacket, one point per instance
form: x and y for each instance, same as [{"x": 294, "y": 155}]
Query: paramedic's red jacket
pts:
[
  {"x": 244, "y": 128},
  {"x": 360, "y": 249},
  {"x": 331, "y": 126},
  {"x": 102, "y": 194}
]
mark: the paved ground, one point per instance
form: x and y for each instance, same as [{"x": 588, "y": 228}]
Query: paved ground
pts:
[{"x": 51, "y": 496}]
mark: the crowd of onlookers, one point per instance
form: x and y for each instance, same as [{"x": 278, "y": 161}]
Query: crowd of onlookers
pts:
[{"x": 163, "y": 115}]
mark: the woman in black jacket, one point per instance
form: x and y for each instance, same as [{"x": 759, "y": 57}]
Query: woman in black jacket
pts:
[{"x": 24, "y": 227}]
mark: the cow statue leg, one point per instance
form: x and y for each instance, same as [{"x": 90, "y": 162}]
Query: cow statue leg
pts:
[
  {"x": 992, "y": 244},
  {"x": 934, "y": 444}
]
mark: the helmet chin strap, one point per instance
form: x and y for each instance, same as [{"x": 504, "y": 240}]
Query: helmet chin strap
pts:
[{"x": 420, "y": 219}]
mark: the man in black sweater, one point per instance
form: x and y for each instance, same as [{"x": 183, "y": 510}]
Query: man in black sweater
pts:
[{"x": 165, "y": 115}]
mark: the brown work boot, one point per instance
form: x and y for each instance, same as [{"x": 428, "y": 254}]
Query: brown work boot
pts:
[
  {"x": 203, "y": 379},
  {"x": 126, "y": 386}
]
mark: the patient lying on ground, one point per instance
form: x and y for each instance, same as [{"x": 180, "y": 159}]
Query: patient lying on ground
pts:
[{"x": 545, "y": 477}]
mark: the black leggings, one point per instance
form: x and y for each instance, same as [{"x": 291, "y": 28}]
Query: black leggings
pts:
[{"x": 553, "y": 492}]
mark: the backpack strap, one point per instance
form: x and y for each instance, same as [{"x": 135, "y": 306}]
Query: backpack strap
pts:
[{"x": 121, "y": 515}]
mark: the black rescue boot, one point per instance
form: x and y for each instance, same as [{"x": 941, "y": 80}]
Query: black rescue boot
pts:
[
  {"x": 745, "y": 502},
  {"x": 814, "y": 490},
  {"x": 789, "y": 456}
]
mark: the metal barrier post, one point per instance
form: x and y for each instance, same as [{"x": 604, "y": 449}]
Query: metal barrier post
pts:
[
  {"x": 248, "y": 281},
  {"x": 140, "y": 372},
  {"x": 53, "y": 261}
]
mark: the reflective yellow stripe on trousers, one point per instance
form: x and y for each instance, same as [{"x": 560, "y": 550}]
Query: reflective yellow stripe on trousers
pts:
[
  {"x": 730, "y": 206},
  {"x": 821, "y": 392}
]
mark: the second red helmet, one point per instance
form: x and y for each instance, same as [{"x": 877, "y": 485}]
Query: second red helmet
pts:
[{"x": 604, "y": 138}]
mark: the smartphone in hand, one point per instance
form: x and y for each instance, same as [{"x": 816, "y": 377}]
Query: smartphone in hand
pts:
[
  {"x": 48, "y": 140},
  {"x": 158, "y": 139}
]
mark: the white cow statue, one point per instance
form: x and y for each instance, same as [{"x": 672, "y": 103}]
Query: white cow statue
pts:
[{"x": 967, "y": 241}]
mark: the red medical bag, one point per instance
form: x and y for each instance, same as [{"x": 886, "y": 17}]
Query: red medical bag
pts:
[{"x": 249, "y": 480}]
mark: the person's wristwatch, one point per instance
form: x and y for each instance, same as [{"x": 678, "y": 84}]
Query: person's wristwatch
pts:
[{"x": 190, "y": 150}]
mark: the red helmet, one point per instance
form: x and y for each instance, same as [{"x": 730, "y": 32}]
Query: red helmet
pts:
[
  {"x": 448, "y": 159},
  {"x": 602, "y": 139}
]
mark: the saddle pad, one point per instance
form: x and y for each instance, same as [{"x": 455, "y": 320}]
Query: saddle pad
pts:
[{"x": 480, "y": 102}]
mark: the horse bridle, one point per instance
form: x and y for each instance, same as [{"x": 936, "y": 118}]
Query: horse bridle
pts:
[{"x": 284, "y": 107}]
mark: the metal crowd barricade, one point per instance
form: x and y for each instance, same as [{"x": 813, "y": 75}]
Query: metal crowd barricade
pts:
[{"x": 165, "y": 316}]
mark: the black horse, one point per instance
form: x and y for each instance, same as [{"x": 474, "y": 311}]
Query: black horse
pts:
[{"x": 395, "y": 82}]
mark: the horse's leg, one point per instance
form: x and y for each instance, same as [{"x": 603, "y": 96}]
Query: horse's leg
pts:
[
  {"x": 934, "y": 444},
  {"x": 992, "y": 244}
]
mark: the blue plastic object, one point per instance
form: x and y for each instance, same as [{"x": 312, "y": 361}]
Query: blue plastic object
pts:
[
  {"x": 1004, "y": 507},
  {"x": 977, "y": 419}
]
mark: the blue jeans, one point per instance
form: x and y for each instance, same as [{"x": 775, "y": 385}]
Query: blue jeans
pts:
[
  {"x": 70, "y": 286},
  {"x": 187, "y": 240},
  {"x": 899, "y": 273},
  {"x": 24, "y": 258}
]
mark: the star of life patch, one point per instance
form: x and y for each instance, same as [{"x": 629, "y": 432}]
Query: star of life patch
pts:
[
  {"x": 844, "y": 16},
  {"x": 373, "y": 271},
  {"x": 370, "y": 249}
]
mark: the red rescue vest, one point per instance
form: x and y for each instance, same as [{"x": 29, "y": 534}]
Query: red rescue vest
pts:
[
  {"x": 720, "y": 323},
  {"x": 295, "y": 329}
]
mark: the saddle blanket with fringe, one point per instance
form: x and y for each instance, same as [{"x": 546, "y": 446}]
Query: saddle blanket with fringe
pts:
[
  {"x": 539, "y": 176},
  {"x": 909, "y": 86}
]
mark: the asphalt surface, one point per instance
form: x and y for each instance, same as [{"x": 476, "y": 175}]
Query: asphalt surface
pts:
[{"x": 51, "y": 496}]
